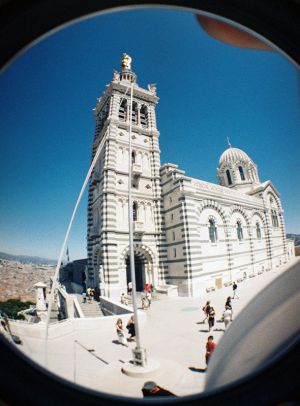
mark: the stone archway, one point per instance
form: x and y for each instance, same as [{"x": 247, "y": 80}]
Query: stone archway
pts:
[
  {"x": 140, "y": 275},
  {"x": 144, "y": 266}
]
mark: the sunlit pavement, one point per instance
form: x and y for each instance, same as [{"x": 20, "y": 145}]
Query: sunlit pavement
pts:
[{"x": 172, "y": 333}]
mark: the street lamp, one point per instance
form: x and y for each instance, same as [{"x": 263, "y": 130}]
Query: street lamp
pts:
[{"x": 139, "y": 353}]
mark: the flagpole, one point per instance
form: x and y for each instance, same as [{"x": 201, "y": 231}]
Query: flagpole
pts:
[{"x": 139, "y": 354}]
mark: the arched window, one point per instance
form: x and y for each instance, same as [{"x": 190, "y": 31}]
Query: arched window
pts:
[
  {"x": 228, "y": 177},
  {"x": 134, "y": 113},
  {"x": 123, "y": 110},
  {"x": 212, "y": 231},
  {"x": 239, "y": 231},
  {"x": 274, "y": 218},
  {"x": 242, "y": 175},
  {"x": 258, "y": 231},
  {"x": 134, "y": 211},
  {"x": 133, "y": 155},
  {"x": 144, "y": 116}
]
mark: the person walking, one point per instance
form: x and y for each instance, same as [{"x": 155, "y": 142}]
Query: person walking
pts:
[
  {"x": 151, "y": 388},
  {"x": 210, "y": 346},
  {"x": 84, "y": 297},
  {"x": 234, "y": 288},
  {"x": 205, "y": 309},
  {"x": 145, "y": 302},
  {"x": 211, "y": 318},
  {"x": 121, "y": 333},
  {"x": 92, "y": 294},
  {"x": 88, "y": 291},
  {"x": 227, "y": 316},
  {"x": 148, "y": 297},
  {"x": 228, "y": 304},
  {"x": 131, "y": 328},
  {"x": 123, "y": 299}
]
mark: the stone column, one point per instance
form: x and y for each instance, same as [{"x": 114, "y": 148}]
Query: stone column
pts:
[{"x": 41, "y": 307}]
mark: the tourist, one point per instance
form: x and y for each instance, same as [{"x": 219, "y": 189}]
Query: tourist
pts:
[
  {"x": 88, "y": 292},
  {"x": 149, "y": 297},
  {"x": 151, "y": 388},
  {"x": 129, "y": 288},
  {"x": 84, "y": 297},
  {"x": 145, "y": 303},
  {"x": 121, "y": 333},
  {"x": 211, "y": 318},
  {"x": 123, "y": 299},
  {"x": 234, "y": 287},
  {"x": 210, "y": 346},
  {"x": 148, "y": 287},
  {"x": 229, "y": 305},
  {"x": 205, "y": 309},
  {"x": 131, "y": 328},
  {"x": 92, "y": 293},
  {"x": 227, "y": 316}
]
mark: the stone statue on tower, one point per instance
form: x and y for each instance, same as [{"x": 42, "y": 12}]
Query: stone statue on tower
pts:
[{"x": 126, "y": 62}]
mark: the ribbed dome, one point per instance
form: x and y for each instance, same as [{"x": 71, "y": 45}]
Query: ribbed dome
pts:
[{"x": 232, "y": 155}]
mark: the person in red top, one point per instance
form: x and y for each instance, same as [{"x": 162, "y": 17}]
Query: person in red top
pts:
[
  {"x": 210, "y": 346},
  {"x": 148, "y": 287}
]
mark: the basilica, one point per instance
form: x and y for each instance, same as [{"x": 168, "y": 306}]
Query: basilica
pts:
[{"x": 189, "y": 235}]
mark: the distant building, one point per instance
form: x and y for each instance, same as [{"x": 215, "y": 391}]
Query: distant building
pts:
[{"x": 187, "y": 232}]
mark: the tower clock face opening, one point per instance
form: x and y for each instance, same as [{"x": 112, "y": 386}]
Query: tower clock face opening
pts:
[{"x": 175, "y": 135}]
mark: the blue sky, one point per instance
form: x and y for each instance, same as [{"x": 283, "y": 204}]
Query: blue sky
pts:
[{"x": 208, "y": 91}]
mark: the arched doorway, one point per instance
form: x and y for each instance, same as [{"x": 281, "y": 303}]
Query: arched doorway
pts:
[
  {"x": 145, "y": 266},
  {"x": 139, "y": 264}
]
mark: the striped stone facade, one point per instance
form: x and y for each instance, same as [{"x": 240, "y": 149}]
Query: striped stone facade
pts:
[
  {"x": 187, "y": 232},
  {"x": 196, "y": 262},
  {"x": 108, "y": 249}
]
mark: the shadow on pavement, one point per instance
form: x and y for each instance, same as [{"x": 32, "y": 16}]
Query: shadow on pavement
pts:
[
  {"x": 201, "y": 370},
  {"x": 116, "y": 342}
]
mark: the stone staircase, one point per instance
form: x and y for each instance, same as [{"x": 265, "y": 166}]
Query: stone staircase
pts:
[
  {"x": 90, "y": 309},
  {"x": 154, "y": 296}
]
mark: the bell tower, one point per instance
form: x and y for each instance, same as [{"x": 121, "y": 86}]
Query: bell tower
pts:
[{"x": 107, "y": 234}]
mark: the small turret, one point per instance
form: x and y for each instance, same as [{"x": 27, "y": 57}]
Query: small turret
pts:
[{"x": 237, "y": 170}]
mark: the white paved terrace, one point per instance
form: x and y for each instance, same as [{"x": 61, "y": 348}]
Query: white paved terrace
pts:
[{"x": 170, "y": 331}]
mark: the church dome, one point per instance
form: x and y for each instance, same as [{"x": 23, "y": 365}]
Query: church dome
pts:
[
  {"x": 232, "y": 155},
  {"x": 237, "y": 170}
]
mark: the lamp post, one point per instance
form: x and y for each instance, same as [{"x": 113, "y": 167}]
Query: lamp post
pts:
[{"x": 139, "y": 353}]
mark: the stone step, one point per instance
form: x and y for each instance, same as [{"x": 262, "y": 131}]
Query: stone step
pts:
[
  {"x": 154, "y": 297},
  {"x": 90, "y": 308}
]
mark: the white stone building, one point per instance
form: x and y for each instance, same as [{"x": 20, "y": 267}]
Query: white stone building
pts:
[{"x": 187, "y": 232}]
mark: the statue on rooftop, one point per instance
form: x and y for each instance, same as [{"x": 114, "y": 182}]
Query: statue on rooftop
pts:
[
  {"x": 152, "y": 88},
  {"x": 126, "y": 61},
  {"x": 116, "y": 76}
]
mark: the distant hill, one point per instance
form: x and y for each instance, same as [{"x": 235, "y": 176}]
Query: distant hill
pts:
[
  {"x": 295, "y": 237},
  {"x": 27, "y": 259}
]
